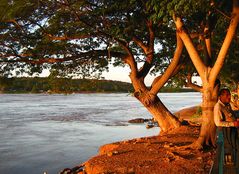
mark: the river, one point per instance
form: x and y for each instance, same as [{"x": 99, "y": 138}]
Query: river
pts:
[{"x": 47, "y": 133}]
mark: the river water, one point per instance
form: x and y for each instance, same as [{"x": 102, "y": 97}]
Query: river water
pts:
[{"x": 40, "y": 132}]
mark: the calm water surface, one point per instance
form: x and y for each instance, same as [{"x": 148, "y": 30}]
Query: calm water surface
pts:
[{"x": 40, "y": 132}]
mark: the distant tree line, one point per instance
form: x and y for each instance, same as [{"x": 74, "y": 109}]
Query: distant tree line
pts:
[
  {"x": 68, "y": 85},
  {"x": 60, "y": 85}
]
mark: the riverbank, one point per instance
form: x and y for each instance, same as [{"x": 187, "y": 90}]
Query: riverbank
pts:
[
  {"x": 161, "y": 154},
  {"x": 77, "y": 124},
  {"x": 54, "y": 85},
  {"x": 153, "y": 155}
]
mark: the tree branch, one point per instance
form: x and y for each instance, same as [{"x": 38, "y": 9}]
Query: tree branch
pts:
[
  {"x": 15, "y": 23},
  {"x": 226, "y": 44},
  {"x": 149, "y": 52},
  {"x": 208, "y": 43},
  {"x": 140, "y": 44},
  {"x": 129, "y": 59},
  {"x": 192, "y": 85},
  {"x": 28, "y": 58},
  {"x": 198, "y": 63},
  {"x": 158, "y": 84}
]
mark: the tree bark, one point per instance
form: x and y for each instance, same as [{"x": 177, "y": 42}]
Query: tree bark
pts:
[
  {"x": 153, "y": 104},
  {"x": 238, "y": 89},
  {"x": 148, "y": 96},
  {"x": 208, "y": 129},
  {"x": 208, "y": 75},
  {"x": 160, "y": 113}
]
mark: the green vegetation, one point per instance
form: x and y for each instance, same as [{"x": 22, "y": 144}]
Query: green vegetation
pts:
[
  {"x": 68, "y": 85},
  {"x": 174, "y": 40},
  {"x": 198, "y": 113},
  {"x": 60, "y": 85}
]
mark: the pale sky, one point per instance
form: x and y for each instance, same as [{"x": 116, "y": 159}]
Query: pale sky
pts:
[
  {"x": 114, "y": 73},
  {"x": 122, "y": 74}
]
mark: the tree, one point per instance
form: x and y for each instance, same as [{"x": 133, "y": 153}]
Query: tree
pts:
[
  {"x": 72, "y": 34},
  {"x": 208, "y": 65},
  {"x": 229, "y": 74},
  {"x": 69, "y": 35},
  {"x": 201, "y": 25}
]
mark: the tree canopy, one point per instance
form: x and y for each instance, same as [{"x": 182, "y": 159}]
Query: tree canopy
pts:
[
  {"x": 76, "y": 36},
  {"x": 84, "y": 37}
]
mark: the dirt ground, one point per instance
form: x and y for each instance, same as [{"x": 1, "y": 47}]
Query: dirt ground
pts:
[{"x": 163, "y": 154}]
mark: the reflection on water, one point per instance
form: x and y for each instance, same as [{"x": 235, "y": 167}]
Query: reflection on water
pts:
[{"x": 50, "y": 132}]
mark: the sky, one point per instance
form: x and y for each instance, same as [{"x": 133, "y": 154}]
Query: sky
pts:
[
  {"x": 114, "y": 73},
  {"x": 122, "y": 74}
]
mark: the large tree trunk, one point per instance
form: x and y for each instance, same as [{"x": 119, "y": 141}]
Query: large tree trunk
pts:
[
  {"x": 160, "y": 113},
  {"x": 208, "y": 74},
  {"x": 208, "y": 129},
  {"x": 238, "y": 89}
]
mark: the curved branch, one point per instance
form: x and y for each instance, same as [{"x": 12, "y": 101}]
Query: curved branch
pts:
[
  {"x": 198, "y": 63},
  {"x": 226, "y": 44},
  {"x": 147, "y": 49},
  {"x": 151, "y": 35},
  {"x": 129, "y": 59},
  {"x": 140, "y": 44},
  {"x": 65, "y": 37},
  {"x": 149, "y": 52},
  {"x": 15, "y": 23},
  {"x": 208, "y": 43},
  {"x": 192, "y": 85},
  {"x": 158, "y": 84},
  {"x": 194, "y": 35},
  {"x": 27, "y": 57}
]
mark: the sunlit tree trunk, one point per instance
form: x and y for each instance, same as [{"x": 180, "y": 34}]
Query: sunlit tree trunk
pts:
[
  {"x": 238, "y": 89},
  {"x": 208, "y": 74},
  {"x": 164, "y": 117},
  {"x": 208, "y": 129},
  {"x": 148, "y": 95},
  {"x": 153, "y": 104}
]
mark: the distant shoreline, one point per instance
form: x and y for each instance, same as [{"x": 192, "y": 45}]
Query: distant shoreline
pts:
[
  {"x": 87, "y": 92},
  {"x": 51, "y": 85}
]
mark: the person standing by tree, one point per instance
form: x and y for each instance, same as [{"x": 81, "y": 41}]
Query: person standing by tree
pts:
[{"x": 226, "y": 121}]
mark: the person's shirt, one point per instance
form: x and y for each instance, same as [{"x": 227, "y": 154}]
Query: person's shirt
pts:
[{"x": 223, "y": 115}]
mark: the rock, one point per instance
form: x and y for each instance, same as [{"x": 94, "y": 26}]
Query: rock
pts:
[
  {"x": 122, "y": 170},
  {"x": 65, "y": 171},
  {"x": 138, "y": 120},
  {"x": 124, "y": 142},
  {"x": 107, "y": 148},
  {"x": 199, "y": 158},
  {"x": 110, "y": 154},
  {"x": 171, "y": 144},
  {"x": 166, "y": 160},
  {"x": 131, "y": 170},
  {"x": 138, "y": 139},
  {"x": 166, "y": 146},
  {"x": 148, "y": 126},
  {"x": 151, "y": 124}
]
